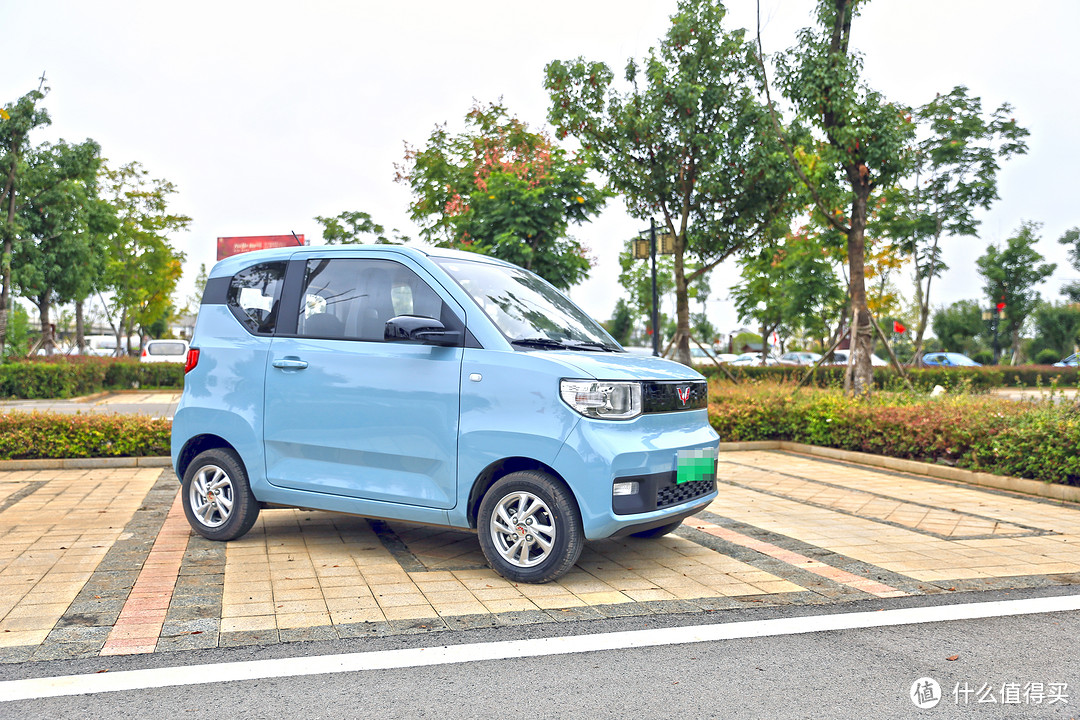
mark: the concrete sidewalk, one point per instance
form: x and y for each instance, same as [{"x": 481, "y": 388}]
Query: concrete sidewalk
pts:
[{"x": 101, "y": 561}]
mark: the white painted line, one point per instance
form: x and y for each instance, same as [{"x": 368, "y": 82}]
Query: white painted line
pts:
[{"x": 389, "y": 659}]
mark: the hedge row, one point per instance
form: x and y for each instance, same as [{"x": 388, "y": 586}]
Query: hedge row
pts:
[
  {"x": 977, "y": 379},
  {"x": 26, "y": 436},
  {"x": 37, "y": 379},
  {"x": 1031, "y": 440}
]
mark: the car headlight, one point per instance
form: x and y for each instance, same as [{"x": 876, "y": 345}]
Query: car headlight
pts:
[{"x": 602, "y": 399}]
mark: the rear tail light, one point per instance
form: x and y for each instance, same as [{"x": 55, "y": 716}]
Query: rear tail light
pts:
[
  {"x": 192, "y": 360},
  {"x": 144, "y": 352}
]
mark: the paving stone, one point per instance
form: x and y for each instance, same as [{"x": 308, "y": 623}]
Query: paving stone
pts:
[
  {"x": 201, "y": 641},
  {"x": 18, "y": 654},
  {"x": 470, "y": 622},
  {"x": 318, "y": 632},
  {"x": 248, "y": 637},
  {"x": 186, "y": 627},
  {"x": 630, "y": 609},
  {"x": 522, "y": 617},
  {"x": 419, "y": 626},
  {"x": 574, "y": 614},
  {"x": 364, "y": 629},
  {"x": 67, "y": 650},
  {"x": 76, "y": 634}
]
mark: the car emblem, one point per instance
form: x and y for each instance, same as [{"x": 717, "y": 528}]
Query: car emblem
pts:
[{"x": 684, "y": 394}]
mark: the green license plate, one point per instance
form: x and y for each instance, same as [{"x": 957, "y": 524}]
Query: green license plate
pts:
[{"x": 695, "y": 465}]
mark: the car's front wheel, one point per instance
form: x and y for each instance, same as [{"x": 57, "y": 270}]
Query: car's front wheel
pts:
[
  {"x": 530, "y": 527},
  {"x": 217, "y": 498}
]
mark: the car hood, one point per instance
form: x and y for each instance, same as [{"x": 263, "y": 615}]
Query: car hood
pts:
[{"x": 621, "y": 366}]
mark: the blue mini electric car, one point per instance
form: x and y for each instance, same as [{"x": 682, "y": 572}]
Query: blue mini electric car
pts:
[{"x": 436, "y": 387}]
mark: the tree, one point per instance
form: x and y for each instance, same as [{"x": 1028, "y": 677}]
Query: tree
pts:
[
  {"x": 350, "y": 227},
  {"x": 56, "y": 260},
  {"x": 790, "y": 287},
  {"x": 16, "y": 123},
  {"x": 1010, "y": 275},
  {"x": 621, "y": 324},
  {"x": 502, "y": 190},
  {"x": 1071, "y": 239},
  {"x": 687, "y": 139},
  {"x": 959, "y": 326},
  {"x": 1057, "y": 328},
  {"x": 957, "y": 162},
  {"x": 867, "y": 142},
  {"x": 141, "y": 267}
]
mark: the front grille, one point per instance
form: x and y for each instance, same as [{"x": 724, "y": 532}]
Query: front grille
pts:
[
  {"x": 663, "y": 396},
  {"x": 675, "y": 494}
]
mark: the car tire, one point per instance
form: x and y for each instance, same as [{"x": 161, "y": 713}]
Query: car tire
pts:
[
  {"x": 216, "y": 496},
  {"x": 658, "y": 531},
  {"x": 530, "y": 527}
]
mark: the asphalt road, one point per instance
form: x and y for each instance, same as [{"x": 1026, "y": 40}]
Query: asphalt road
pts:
[
  {"x": 154, "y": 404},
  {"x": 858, "y": 673}
]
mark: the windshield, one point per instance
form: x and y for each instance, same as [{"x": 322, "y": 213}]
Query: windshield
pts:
[{"x": 527, "y": 310}]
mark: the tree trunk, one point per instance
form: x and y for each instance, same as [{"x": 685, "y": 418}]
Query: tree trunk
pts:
[
  {"x": 80, "y": 328},
  {"x": 682, "y": 306},
  {"x": 859, "y": 380},
  {"x": 48, "y": 341}
]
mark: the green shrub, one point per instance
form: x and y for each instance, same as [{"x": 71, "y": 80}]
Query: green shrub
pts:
[
  {"x": 66, "y": 377},
  {"x": 983, "y": 357},
  {"x": 1031, "y": 440},
  {"x": 55, "y": 435},
  {"x": 1047, "y": 356}
]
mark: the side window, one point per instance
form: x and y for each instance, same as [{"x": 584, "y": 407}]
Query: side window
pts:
[
  {"x": 254, "y": 294},
  {"x": 351, "y": 299}
]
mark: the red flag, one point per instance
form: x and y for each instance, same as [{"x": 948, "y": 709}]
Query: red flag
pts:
[{"x": 897, "y": 327}]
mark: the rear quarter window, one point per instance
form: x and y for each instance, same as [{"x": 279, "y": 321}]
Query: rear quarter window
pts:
[{"x": 254, "y": 296}]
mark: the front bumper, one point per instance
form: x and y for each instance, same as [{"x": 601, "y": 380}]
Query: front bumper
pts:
[{"x": 646, "y": 450}]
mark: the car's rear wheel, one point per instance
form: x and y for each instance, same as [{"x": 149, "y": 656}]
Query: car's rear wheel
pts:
[
  {"x": 530, "y": 527},
  {"x": 217, "y": 497}
]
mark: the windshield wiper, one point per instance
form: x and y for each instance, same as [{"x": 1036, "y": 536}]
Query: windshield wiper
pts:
[
  {"x": 539, "y": 342},
  {"x": 543, "y": 342}
]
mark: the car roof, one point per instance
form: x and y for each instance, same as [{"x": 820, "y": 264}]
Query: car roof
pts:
[{"x": 231, "y": 265}]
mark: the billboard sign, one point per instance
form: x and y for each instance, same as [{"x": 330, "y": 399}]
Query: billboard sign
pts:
[{"x": 229, "y": 246}]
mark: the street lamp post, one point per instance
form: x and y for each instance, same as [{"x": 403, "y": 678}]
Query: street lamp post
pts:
[
  {"x": 992, "y": 317},
  {"x": 641, "y": 252}
]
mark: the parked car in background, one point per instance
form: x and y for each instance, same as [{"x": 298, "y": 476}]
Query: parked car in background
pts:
[
  {"x": 165, "y": 351},
  {"x": 752, "y": 358},
  {"x": 948, "y": 359},
  {"x": 725, "y": 357},
  {"x": 799, "y": 358},
  {"x": 840, "y": 357},
  {"x": 1071, "y": 361}
]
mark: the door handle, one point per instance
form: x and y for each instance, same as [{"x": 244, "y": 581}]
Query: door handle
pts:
[{"x": 290, "y": 364}]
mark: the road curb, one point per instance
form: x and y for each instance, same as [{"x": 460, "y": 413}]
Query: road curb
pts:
[
  {"x": 85, "y": 463},
  {"x": 1051, "y": 491}
]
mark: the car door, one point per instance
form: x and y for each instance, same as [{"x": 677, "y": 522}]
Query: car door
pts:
[{"x": 348, "y": 413}]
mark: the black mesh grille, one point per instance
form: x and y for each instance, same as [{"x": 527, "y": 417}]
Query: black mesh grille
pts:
[{"x": 675, "y": 494}]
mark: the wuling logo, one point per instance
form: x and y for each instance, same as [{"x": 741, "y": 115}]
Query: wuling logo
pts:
[{"x": 684, "y": 394}]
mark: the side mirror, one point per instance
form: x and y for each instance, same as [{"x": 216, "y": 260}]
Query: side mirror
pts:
[{"x": 414, "y": 328}]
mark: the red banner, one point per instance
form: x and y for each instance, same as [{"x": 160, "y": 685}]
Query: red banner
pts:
[{"x": 229, "y": 246}]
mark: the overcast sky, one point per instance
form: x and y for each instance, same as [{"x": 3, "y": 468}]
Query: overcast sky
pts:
[{"x": 267, "y": 114}]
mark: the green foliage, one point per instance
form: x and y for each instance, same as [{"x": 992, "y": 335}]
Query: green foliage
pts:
[
  {"x": 1010, "y": 275},
  {"x": 1057, "y": 330},
  {"x": 349, "y": 228},
  {"x": 1046, "y": 356},
  {"x": 502, "y": 190},
  {"x": 55, "y": 435},
  {"x": 17, "y": 121},
  {"x": 981, "y": 433},
  {"x": 790, "y": 287},
  {"x": 959, "y": 327},
  {"x": 141, "y": 266},
  {"x": 622, "y": 322},
  {"x": 685, "y": 137},
  {"x": 75, "y": 377},
  {"x": 867, "y": 149}
]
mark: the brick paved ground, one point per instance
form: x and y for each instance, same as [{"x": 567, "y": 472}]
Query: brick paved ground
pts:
[{"x": 98, "y": 562}]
